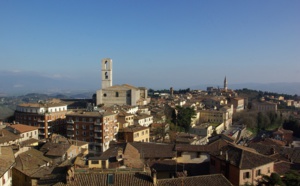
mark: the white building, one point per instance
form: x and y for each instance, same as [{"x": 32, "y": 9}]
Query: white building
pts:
[{"x": 143, "y": 120}]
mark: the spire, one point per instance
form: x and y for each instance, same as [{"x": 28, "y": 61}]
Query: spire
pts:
[{"x": 225, "y": 84}]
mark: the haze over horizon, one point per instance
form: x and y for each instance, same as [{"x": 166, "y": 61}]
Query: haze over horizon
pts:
[{"x": 156, "y": 44}]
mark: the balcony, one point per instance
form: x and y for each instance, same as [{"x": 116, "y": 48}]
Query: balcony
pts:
[
  {"x": 97, "y": 124},
  {"x": 70, "y": 122},
  {"x": 98, "y": 144},
  {"x": 97, "y": 130},
  {"x": 70, "y": 128},
  {"x": 97, "y": 137},
  {"x": 43, "y": 127},
  {"x": 70, "y": 135},
  {"x": 41, "y": 121}
]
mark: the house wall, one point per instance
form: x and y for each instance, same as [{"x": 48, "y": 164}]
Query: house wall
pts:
[
  {"x": 6, "y": 179},
  {"x": 264, "y": 170},
  {"x": 19, "y": 178},
  {"x": 193, "y": 157}
]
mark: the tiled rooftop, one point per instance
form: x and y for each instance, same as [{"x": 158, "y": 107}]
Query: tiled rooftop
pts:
[
  {"x": 23, "y": 128},
  {"x": 7, "y": 159}
]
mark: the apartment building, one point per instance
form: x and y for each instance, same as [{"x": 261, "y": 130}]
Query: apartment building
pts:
[
  {"x": 48, "y": 117},
  {"x": 97, "y": 128}
]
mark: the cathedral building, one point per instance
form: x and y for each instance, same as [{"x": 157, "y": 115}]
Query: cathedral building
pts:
[{"x": 118, "y": 94}]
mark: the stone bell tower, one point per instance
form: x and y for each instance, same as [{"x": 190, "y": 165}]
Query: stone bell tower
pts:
[{"x": 106, "y": 73}]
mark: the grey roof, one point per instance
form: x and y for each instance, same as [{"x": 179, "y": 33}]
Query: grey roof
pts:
[
  {"x": 241, "y": 157},
  {"x": 205, "y": 180}
]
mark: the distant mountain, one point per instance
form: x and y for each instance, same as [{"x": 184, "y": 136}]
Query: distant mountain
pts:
[{"x": 20, "y": 83}]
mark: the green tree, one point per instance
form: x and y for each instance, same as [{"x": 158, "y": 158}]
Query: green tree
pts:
[
  {"x": 273, "y": 179},
  {"x": 291, "y": 178},
  {"x": 182, "y": 117}
]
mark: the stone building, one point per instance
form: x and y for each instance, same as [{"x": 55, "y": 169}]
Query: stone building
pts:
[{"x": 118, "y": 94}]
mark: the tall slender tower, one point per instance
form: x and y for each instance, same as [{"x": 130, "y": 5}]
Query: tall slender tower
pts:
[
  {"x": 106, "y": 73},
  {"x": 225, "y": 84}
]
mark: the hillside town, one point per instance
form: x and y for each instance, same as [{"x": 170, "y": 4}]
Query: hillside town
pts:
[{"x": 127, "y": 135}]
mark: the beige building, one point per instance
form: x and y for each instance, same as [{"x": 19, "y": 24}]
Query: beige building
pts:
[
  {"x": 264, "y": 106},
  {"x": 118, "y": 94},
  {"x": 238, "y": 104},
  {"x": 134, "y": 133}
]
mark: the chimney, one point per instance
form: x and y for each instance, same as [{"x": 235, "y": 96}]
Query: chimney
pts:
[{"x": 154, "y": 176}]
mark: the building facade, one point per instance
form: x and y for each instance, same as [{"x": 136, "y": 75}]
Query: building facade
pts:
[
  {"x": 97, "y": 128},
  {"x": 118, "y": 94},
  {"x": 48, "y": 117}
]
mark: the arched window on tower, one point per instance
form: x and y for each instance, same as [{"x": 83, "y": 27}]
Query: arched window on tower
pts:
[
  {"x": 105, "y": 65},
  {"x": 106, "y": 75},
  {"x": 117, "y": 94}
]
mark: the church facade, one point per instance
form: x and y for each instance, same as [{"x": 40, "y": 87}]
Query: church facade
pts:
[{"x": 118, "y": 94}]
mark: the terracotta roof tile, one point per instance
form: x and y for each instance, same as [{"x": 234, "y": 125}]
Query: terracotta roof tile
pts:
[{"x": 23, "y": 128}]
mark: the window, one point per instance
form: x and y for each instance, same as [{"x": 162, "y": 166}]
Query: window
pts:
[
  {"x": 110, "y": 179},
  {"x": 83, "y": 119},
  {"x": 106, "y": 75},
  {"x": 91, "y": 120},
  {"x": 246, "y": 175},
  {"x": 77, "y": 126},
  {"x": 91, "y": 127},
  {"x": 95, "y": 162},
  {"x": 117, "y": 94},
  {"x": 83, "y": 127},
  {"x": 269, "y": 170},
  {"x": 104, "y": 95},
  {"x": 84, "y": 133},
  {"x": 212, "y": 162},
  {"x": 258, "y": 172}
]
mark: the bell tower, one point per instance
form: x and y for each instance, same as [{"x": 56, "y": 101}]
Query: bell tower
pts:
[
  {"x": 225, "y": 84},
  {"x": 106, "y": 73}
]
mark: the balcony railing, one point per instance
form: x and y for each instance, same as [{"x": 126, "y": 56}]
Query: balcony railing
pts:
[
  {"x": 97, "y": 130},
  {"x": 70, "y": 135},
  {"x": 70, "y": 128},
  {"x": 97, "y": 137},
  {"x": 97, "y": 123},
  {"x": 70, "y": 122}
]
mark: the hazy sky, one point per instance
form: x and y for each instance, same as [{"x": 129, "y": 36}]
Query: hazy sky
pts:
[{"x": 153, "y": 43}]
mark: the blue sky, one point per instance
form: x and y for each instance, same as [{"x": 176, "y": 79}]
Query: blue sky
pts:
[{"x": 156, "y": 44}]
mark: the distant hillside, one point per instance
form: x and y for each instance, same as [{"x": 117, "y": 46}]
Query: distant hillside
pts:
[{"x": 281, "y": 88}]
